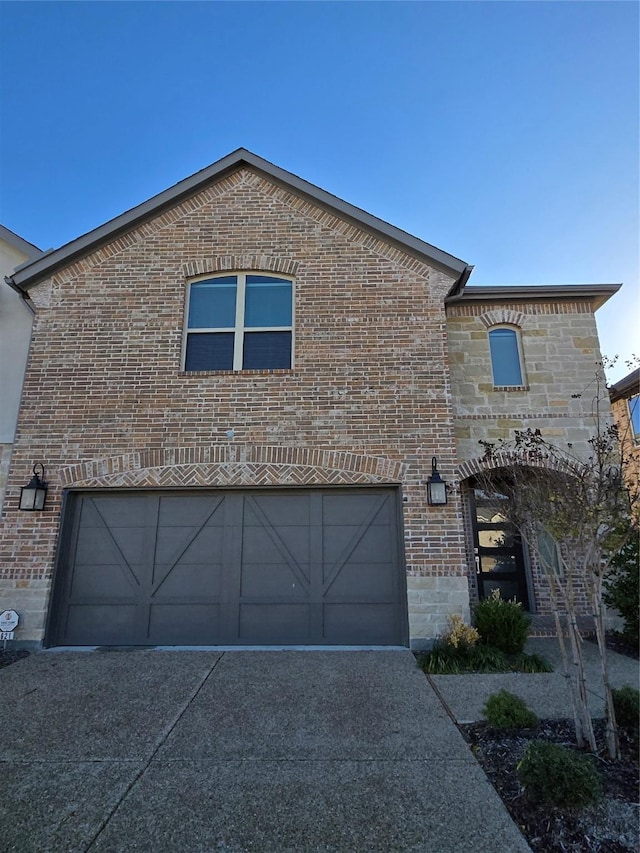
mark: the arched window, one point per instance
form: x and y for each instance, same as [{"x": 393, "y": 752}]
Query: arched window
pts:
[
  {"x": 506, "y": 362},
  {"x": 239, "y": 321},
  {"x": 634, "y": 414}
]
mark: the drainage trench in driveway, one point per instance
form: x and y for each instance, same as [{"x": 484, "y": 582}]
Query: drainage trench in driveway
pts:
[{"x": 162, "y": 740}]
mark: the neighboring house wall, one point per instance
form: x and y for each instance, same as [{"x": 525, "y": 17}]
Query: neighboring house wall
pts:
[
  {"x": 560, "y": 360},
  {"x": 15, "y": 332},
  {"x": 368, "y": 400},
  {"x": 625, "y": 399}
]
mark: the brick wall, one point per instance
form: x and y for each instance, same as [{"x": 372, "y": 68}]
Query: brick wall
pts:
[
  {"x": 629, "y": 444},
  {"x": 106, "y": 403}
]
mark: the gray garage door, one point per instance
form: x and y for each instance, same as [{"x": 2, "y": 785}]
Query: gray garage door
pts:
[{"x": 295, "y": 567}]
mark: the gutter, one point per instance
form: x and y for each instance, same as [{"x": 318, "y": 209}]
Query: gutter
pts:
[{"x": 23, "y": 293}]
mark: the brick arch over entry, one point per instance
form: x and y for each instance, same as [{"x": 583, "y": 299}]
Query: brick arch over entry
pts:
[
  {"x": 232, "y": 465},
  {"x": 504, "y": 460}
]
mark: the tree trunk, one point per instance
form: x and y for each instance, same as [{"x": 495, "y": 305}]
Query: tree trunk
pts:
[
  {"x": 577, "y": 723},
  {"x": 612, "y": 739},
  {"x": 578, "y": 680}
]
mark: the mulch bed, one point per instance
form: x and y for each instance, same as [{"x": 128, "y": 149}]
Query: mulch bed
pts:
[
  {"x": 609, "y": 827},
  {"x": 612, "y": 826}
]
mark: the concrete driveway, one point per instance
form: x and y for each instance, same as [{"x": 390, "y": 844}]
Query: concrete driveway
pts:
[{"x": 152, "y": 750}]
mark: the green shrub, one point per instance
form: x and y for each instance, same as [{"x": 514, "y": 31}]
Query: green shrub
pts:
[
  {"x": 505, "y": 710},
  {"x": 501, "y": 624},
  {"x": 441, "y": 660},
  {"x": 444, "y": 659},
  {"x": 531, "y": 663},
  {"x": 487, "y": 659},
  {"x": 555, "y": 775},
  {"x": 626, "y": 704},
  {"x": 622, "y": 588}
]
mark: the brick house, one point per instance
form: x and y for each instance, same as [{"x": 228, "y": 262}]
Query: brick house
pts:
[
  {"x": 625, "y": 405},
  {"x": 238, "y": 390}
]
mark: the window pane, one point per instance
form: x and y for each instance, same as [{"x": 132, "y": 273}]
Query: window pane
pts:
[
  {"x": 212, "y": 304},
  {"x": 508, "y": 589},
  {"x": 634, "y": 411},
  {"x": 496, "y": 538},
  {"x": 267, "y": 350},
  {"x": 267, "y": 301},
  {"x": 490, "y": 509},
  {"x": 547, "y": 551},
  {"x": 501, "y": 563},
  {"x": 505, "y": 358},
  {"x": 209, "y": 351}
]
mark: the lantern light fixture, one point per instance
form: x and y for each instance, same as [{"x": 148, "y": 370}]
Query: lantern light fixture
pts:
[
  {"x": 436, "y": 486},
  {"x": 34, "y": 494}
]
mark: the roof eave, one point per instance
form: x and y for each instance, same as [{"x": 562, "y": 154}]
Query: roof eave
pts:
[
  {"x": 627, "y": 387},
  {"x": 596, "y": 293},
  {"x": 39, "y": 269}
]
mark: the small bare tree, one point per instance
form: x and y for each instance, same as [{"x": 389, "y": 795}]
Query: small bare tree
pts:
[{"x": 585, "y": 504}]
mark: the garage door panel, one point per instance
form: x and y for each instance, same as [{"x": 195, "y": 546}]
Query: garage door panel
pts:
[
  {"x": 271, "y": 580},
  {"x": 298, "y": 566},
  {"x": 116, "y": 511},
  {"x": 372, "y": 544},
  {"x": 184, "y": 624},
  {"x": 260, "y": 544},
  {"x": 351, "y": 509},
  {"x": 346, "y": 623},
  {"x": 100, "y": 625},
  {"x": 190, "y": 511},
  {"x": 189, "y": 544},
  {"x": 362, "y": 582},
  {"x": 108, "y": 580},
  {"x": 274, "y": 623},
  {"x": 97, "y": 546},
  {"x": 191, "y": 580},
  {"x": 277, "y": 509}
]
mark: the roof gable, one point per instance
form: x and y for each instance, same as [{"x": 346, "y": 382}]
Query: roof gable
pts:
[{"x": 34, "y": 271}]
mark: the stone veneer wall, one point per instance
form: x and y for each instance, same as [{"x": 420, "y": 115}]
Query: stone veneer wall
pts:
[
  {"x": 562, "y": 358},
  {"x": 106, "y": 403}
]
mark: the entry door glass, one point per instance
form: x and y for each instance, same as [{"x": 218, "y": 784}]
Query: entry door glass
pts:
[{"x": 498, "y": 549}]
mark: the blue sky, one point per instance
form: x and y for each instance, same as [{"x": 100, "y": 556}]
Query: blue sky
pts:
[{"x": 505, "y": 133}]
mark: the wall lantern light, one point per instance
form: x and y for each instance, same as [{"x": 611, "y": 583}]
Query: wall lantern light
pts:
[
  {"x": 33, "y": 495},
  {"x": 436, "y": 487}
]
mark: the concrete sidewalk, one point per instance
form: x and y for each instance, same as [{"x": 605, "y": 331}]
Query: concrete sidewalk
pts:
[
  {"x": 546, "y": 693},
  {"x": 238, "y": 751}
]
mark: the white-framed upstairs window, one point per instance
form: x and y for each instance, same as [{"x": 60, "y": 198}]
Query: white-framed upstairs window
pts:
[
  {"x": 506, "y": 357},
  {"x": 239, "y": 321}
]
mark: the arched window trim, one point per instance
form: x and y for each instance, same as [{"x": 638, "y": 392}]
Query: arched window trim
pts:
[{"x": 522, "y": 385}]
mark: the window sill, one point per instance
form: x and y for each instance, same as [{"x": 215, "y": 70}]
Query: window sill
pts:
[
  {"x": 278, "y": 371},
  {"x": 510, "y": 387}
]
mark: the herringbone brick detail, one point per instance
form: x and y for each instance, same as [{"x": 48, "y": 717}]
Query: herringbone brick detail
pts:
[{"x": 233, "y": 466}]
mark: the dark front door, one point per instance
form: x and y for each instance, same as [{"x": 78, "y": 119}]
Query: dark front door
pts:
[
  {"x": 267, "y": 567},
  {"x": 498, "y": 549}
]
